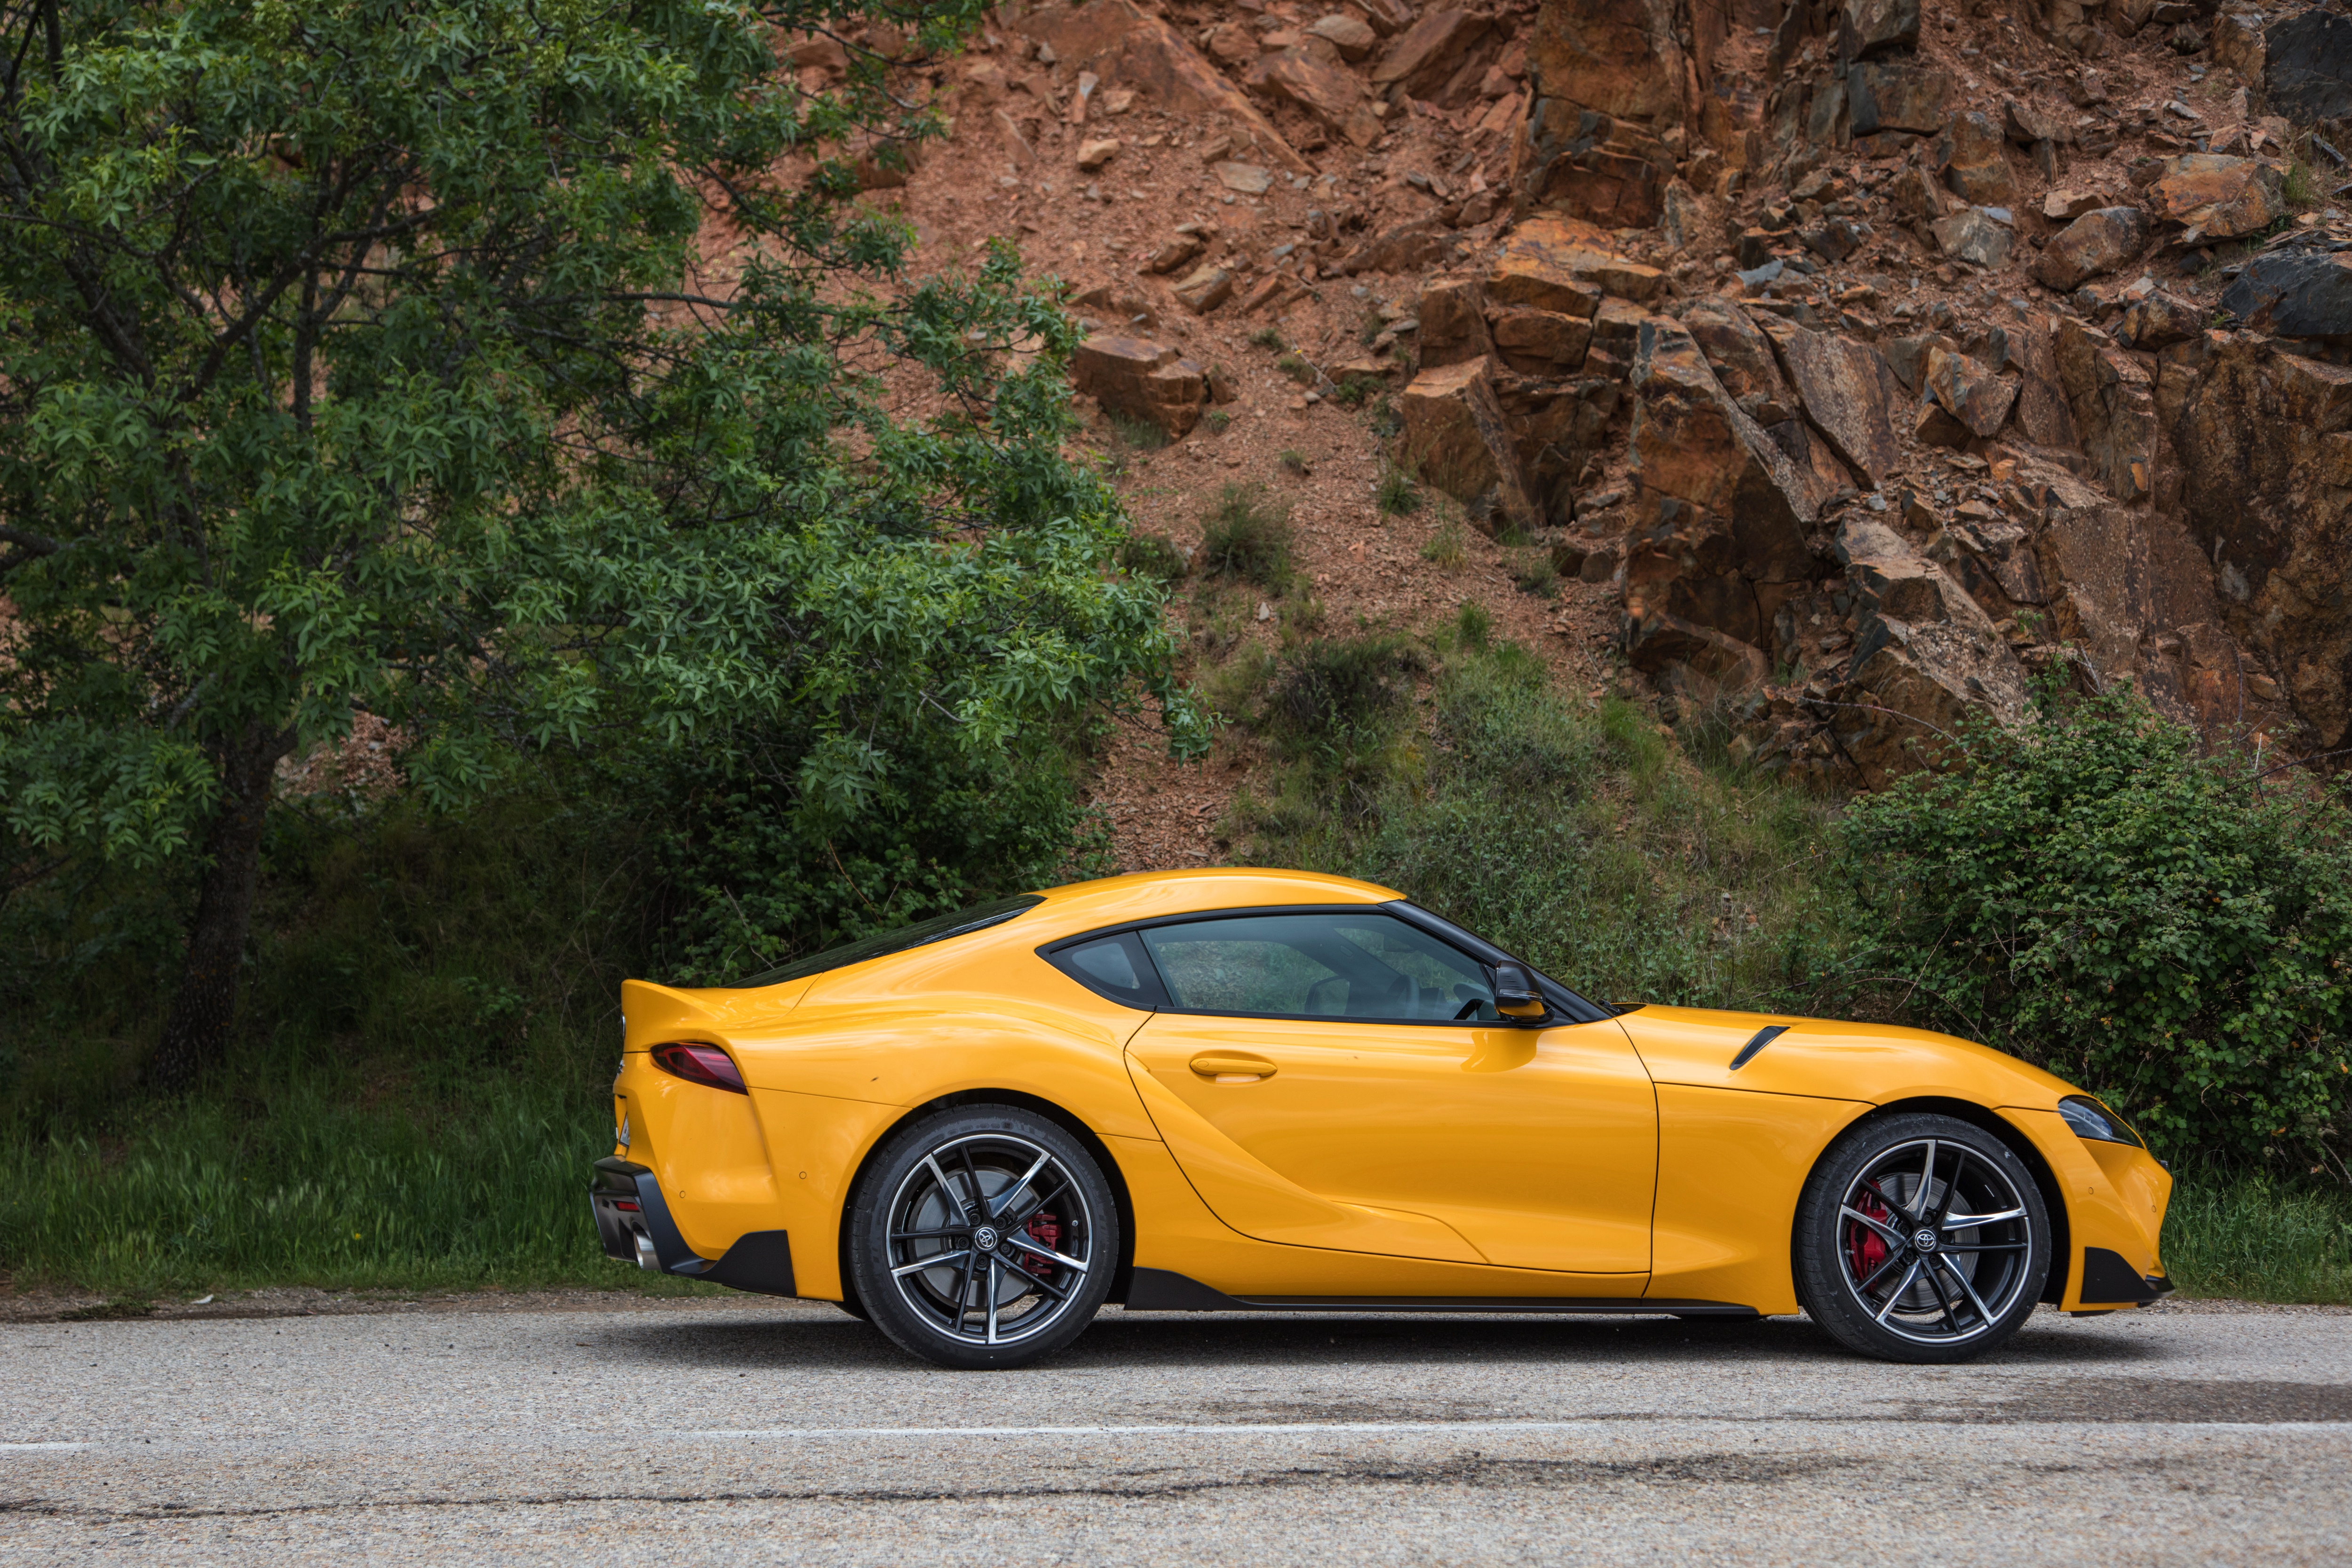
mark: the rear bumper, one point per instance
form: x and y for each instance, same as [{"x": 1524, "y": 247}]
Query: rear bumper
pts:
[{"x": 634, "y": 1222}]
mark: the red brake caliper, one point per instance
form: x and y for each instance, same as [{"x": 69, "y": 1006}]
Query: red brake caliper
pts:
[
  {"x": 1865, "y": 1250},
  {"x": 1046, "y": 1232}
]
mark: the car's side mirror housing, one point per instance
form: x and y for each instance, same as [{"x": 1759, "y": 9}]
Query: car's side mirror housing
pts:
[{"x": 1516, "y": 995}]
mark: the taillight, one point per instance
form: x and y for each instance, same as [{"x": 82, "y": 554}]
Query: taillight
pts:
[{"x": 699, "y": 1064}]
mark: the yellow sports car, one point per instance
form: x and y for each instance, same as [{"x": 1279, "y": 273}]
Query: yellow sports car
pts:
[{"x": 1259, "y": 1090}]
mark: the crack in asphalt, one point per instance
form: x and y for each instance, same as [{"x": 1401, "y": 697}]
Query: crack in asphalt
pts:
[{"x": 1474, "y": 1470}]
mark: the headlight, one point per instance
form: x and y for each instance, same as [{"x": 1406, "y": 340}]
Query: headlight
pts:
[{"x": 2089, "y": 1118}]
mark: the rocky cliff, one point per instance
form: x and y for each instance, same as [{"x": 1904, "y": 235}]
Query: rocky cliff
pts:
[
  {"x": 1989, "y": 342},
  {"x": 1872, "y": 357}
]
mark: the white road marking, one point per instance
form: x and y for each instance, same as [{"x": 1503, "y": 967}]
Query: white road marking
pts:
[{"x": 1277, "y": 1428}]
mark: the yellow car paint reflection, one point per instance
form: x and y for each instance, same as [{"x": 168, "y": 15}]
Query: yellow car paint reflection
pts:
[{"x": 1412, "y": 1159}]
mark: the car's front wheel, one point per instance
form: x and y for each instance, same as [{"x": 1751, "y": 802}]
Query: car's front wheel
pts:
[
  {"x": 983, "y": 1236},
  {"x": 1921, "y": 1238}
]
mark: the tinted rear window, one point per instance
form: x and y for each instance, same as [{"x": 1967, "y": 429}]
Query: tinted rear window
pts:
[{"x": 922, "y": 934}]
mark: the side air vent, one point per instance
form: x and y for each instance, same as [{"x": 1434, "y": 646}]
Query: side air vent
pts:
[{"x": 1764, "y": 1037}]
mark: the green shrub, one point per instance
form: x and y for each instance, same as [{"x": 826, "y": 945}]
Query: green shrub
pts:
[
  {"x": 1581, "y": 840},
  {"x": 1536, "y": 575},
  {"x": 1216, "y": 419},
  {"x": 1153, "y": 556},
  {"x": 1295, "y": 462},
  {"x": 1331, "y": 709},
  {"x": 1296, "y": 367},
  {"x": 2089, "y": 892},
  {"x": 1355, "y": 391},
  {"x": 1247, "y": 536},
  {"x": 1340, "y": 687},
  {"x": 1266, "y": 338}
]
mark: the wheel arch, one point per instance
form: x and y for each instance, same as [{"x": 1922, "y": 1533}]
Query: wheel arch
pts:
[
  {"x": 1058, "y": 1115},
  {"x": 2053, "y": 1196}
]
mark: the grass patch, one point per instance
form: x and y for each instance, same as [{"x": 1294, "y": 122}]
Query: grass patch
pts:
[
  {"x": 1296, "y": 462},
  {"x": 2301, "y": 187},
  {"x": 1247, "y": 536},
  {"x": 308, "y": 1188},
  {"x": 1136, "y": 435},
  {"x": 2257, "y": 1240},
  {"x": 1355, "y": 391},
  {"x": 1536, "y": 575},
  {"x": 1266, "y": 338},
  {"x": 1445, "y": 550},
  {"x": 1296, "y": 367},
  {"x": 1217, "y": 420},
  {"x": 1399, "y": 494}
]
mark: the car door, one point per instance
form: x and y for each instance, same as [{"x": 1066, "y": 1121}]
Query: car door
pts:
[{"x": 1341, "y": 1078}]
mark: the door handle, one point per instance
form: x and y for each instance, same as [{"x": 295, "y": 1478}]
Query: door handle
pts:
[{"x": 1229, "y": 1067}]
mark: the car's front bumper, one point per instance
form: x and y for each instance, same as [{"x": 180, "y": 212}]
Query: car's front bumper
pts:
[
  {"x": 2108, "y": 1281},
  {"x": 634, "y": 1222}
]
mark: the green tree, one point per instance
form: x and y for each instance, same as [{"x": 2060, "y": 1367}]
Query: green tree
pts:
[
  {"x": 2093, "y": 892},
  {"x": 529, "y": 373}
]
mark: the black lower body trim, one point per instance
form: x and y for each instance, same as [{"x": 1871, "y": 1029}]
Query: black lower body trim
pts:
[
  {"x": 1159, "y": 1290},
  {"x": 761, "y": 1260},
  {"x": 2108, "y": 1281}
]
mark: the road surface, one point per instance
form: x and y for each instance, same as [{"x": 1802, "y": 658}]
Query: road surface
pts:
[{"x": 755, "y": 1431}]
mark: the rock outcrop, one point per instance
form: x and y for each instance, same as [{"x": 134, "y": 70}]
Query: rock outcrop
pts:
[
  {"x": 1142, "y": 380},
  {"x": 1876, "y": 369}
]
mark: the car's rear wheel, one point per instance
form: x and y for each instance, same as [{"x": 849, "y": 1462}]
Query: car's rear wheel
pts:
[
  {"x": 983, "y": 1236},
  {"x": 1921, "y": 1238}
]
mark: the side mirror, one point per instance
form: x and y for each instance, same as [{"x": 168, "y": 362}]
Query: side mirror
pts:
[{"x": 1516, "y": 995}]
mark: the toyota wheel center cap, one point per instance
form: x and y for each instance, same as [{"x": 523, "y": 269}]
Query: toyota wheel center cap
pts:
[
  {"x": 984, "y": 1238},
  {"x": 1925, "y": 1240}
]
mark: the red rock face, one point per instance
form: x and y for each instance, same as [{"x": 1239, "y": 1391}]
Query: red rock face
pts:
[
  {"x": 1142, "y": 380},
  {"x": 1876, "y": 367}
]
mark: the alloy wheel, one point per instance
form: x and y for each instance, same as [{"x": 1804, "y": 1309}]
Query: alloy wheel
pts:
[
  {"x": 990, "y": 1239},
  {"x": 1934, "y": 1242}
]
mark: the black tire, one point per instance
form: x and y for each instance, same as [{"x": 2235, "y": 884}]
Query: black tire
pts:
[
  {"x": 850, "y": 1304},
  {"x": 1023, "y": 1269},
  {"x": 1881, "y": 1268}
]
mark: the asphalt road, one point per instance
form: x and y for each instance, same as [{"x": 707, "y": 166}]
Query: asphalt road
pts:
[{"x": 696, "y": 1431}]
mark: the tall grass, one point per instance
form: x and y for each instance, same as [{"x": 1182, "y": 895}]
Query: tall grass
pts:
[
  {"x": 319, "y": 1191},
  {"x": 2254, "y": 1239}
]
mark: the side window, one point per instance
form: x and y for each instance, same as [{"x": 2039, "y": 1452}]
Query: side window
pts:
[
  {"x": 1368, "y": 966},
  {"x": 1113, "y": 966}
]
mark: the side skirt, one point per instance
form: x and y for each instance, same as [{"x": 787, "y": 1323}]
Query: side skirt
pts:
[{"x": 1160, "y": 1290}]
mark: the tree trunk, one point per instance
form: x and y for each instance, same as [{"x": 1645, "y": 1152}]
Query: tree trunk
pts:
[{"x": 196, "y": 1033}]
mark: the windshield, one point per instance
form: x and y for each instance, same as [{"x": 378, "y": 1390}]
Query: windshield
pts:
[{"x": 939, "y": 928}]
